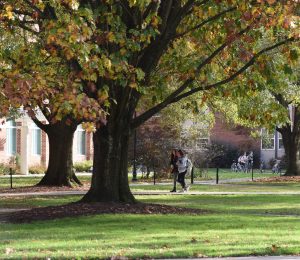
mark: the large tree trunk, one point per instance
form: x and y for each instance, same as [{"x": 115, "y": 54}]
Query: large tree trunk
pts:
[
  {"x": 291, "y": 143},
  {"x": 60, "y": 166},
  {"x": 291, "y": 146},
  {"x": 110, "y": 172}
]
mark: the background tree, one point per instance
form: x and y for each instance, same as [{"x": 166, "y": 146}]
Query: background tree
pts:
[
  {"x": 270, "y": 108},
  {"x": 114, "y": 49},
  {"x": 177, "y": 127},
  {"x": 37, "y": 83}
]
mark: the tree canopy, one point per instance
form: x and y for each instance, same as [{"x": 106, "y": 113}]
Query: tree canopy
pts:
[{"x": 118, "y": 51}]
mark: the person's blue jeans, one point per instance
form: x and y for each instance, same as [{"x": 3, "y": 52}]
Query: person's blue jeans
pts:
[{"x": 180, "y": 179}]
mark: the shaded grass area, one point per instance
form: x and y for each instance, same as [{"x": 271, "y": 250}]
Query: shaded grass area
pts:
[
  {"x": 239, "y": 225},
  {"x": 229, "y": 204}
]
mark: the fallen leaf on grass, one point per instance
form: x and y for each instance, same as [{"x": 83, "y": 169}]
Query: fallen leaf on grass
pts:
[
  {"x": 274, "y": 248},
  {"x": 194, "y": 240},
  {"x": 199, "y": 255},
  {"x": 8, "y": 250}
]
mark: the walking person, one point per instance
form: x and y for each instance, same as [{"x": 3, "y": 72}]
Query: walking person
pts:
[
  {"x": 174, "y": 168},
  {"x": 182, "y": 164}
]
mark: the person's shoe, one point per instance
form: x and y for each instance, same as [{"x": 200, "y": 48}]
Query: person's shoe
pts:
[
  {"x": 187, "y": 188},
  {"x": 173, "y": 190}
]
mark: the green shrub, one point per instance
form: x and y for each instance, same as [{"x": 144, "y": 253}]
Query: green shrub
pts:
[
  {"x": 4, "y": 169},
  {"x": 84, "y": 166},
  {"x": 37, "y": 169}
]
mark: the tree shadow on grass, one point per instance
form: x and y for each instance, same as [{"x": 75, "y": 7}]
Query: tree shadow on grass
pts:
[{"x": 85, "y": 209}]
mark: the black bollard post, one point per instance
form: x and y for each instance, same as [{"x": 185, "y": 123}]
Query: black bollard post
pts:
[
  {"x": 11, "y": 182},
  {"x": 154, "y": 176},
  {"x": 217, "y": 176},
  {"x": 252, "y": 172},
  {"x": 192, "y": 175}
]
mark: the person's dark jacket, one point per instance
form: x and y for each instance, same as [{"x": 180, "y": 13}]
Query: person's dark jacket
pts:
[{"x": 173, "y": 163}]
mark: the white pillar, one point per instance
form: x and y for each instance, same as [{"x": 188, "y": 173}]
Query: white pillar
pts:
[
  {"x": 24, "y": 148},
  {"x": 292, "y": 115}
]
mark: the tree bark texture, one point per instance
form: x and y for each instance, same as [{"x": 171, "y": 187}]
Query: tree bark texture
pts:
[
  {"x": 60, "y": 170},
  {"x": 291, "y": 143},
  {"x": 110, "y": 172}
]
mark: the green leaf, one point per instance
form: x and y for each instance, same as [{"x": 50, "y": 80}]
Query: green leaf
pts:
[
  {"x": 294, "y": 54},
  {"x": 287, "y": 69}
]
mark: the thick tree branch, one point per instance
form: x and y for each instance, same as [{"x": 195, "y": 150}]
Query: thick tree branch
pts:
[
  {"x": 143, "y": 117},
  {"x": 26, "y": 28},
  {"x": 33, "y": 6},
  {"x": 237, "y": 73},
  {"x": 150, "y": 8},
  {"x": 175, "y": 97},
  {"x": 279, "y": 97},
  {"x": 210, "y": 19},
  {"x": 39, "y": 123},
  {"x": 164, "y": 13}
]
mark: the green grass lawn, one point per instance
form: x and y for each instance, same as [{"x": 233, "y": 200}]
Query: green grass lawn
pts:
[
  {"x": 237, "y": 225},
  {"x": 224, "y": 174},
  {"x": 234, "y": 187},
  {"x": 28, "y": 181}
]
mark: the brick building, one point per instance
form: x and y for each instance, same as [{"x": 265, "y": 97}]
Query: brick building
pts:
[
  {"x": 268, "y": 148},
  {"x": 22, "y": 137}
]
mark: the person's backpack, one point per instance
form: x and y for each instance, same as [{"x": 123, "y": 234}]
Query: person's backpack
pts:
[
  {"x": 189, "y": 166},
  {"x": 181, "y": 163}
]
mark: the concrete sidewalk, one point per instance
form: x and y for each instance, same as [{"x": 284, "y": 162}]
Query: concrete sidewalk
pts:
[{"x": 65, "y": 193}]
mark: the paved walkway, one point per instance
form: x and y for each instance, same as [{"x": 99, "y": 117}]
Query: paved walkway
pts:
[{"x": 64, "y": 193}]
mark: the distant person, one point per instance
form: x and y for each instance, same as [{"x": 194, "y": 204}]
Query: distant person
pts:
[
  {"x": 174, "y": 168},
  {"x": 183, "y": 164},
  {"x": 242, "y": 161},
  {"x": 262, "y": 166}
]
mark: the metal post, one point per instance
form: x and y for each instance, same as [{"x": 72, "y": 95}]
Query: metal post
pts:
[
  {"x": 217, "y": 176},
  {"x": 252, "y": 171},
  {"x": 192, "y": 175},
  {"x": 154, "y": 176},
  {"x": 10, "y": 173},
  {"x": 134, "y": 175},
  {"x": 276, "y": 145}
]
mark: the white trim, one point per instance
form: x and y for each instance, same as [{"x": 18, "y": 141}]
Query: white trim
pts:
[
  {"x": 79, "y": 135},
  {"x": 34, "y": 141},
  {"x": 279, "y": 138},
  {"x": 261, "y": 142},
  {"x": 9, "y": 131}
]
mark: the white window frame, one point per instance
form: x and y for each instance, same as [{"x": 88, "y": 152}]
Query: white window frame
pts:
[
  {"x": 202, "y": 146},
  {"x": 261, "y": 142},
  {"x": 80, "y": 133},
  {"x": 279, "y": 138},
  {"x": 35, "y": 129},
  {"x": 11, "y": 129}
]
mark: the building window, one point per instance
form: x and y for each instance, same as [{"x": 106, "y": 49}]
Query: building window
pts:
[
  {"x": 267, "y": 140},
  {"x": 280, "y": 142},
  {"x": 36, "y": 140},
  {"x": 202, "y": 143},
  {"x": 11, "y": 137},
  {"x": 81, "y": 141}
]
